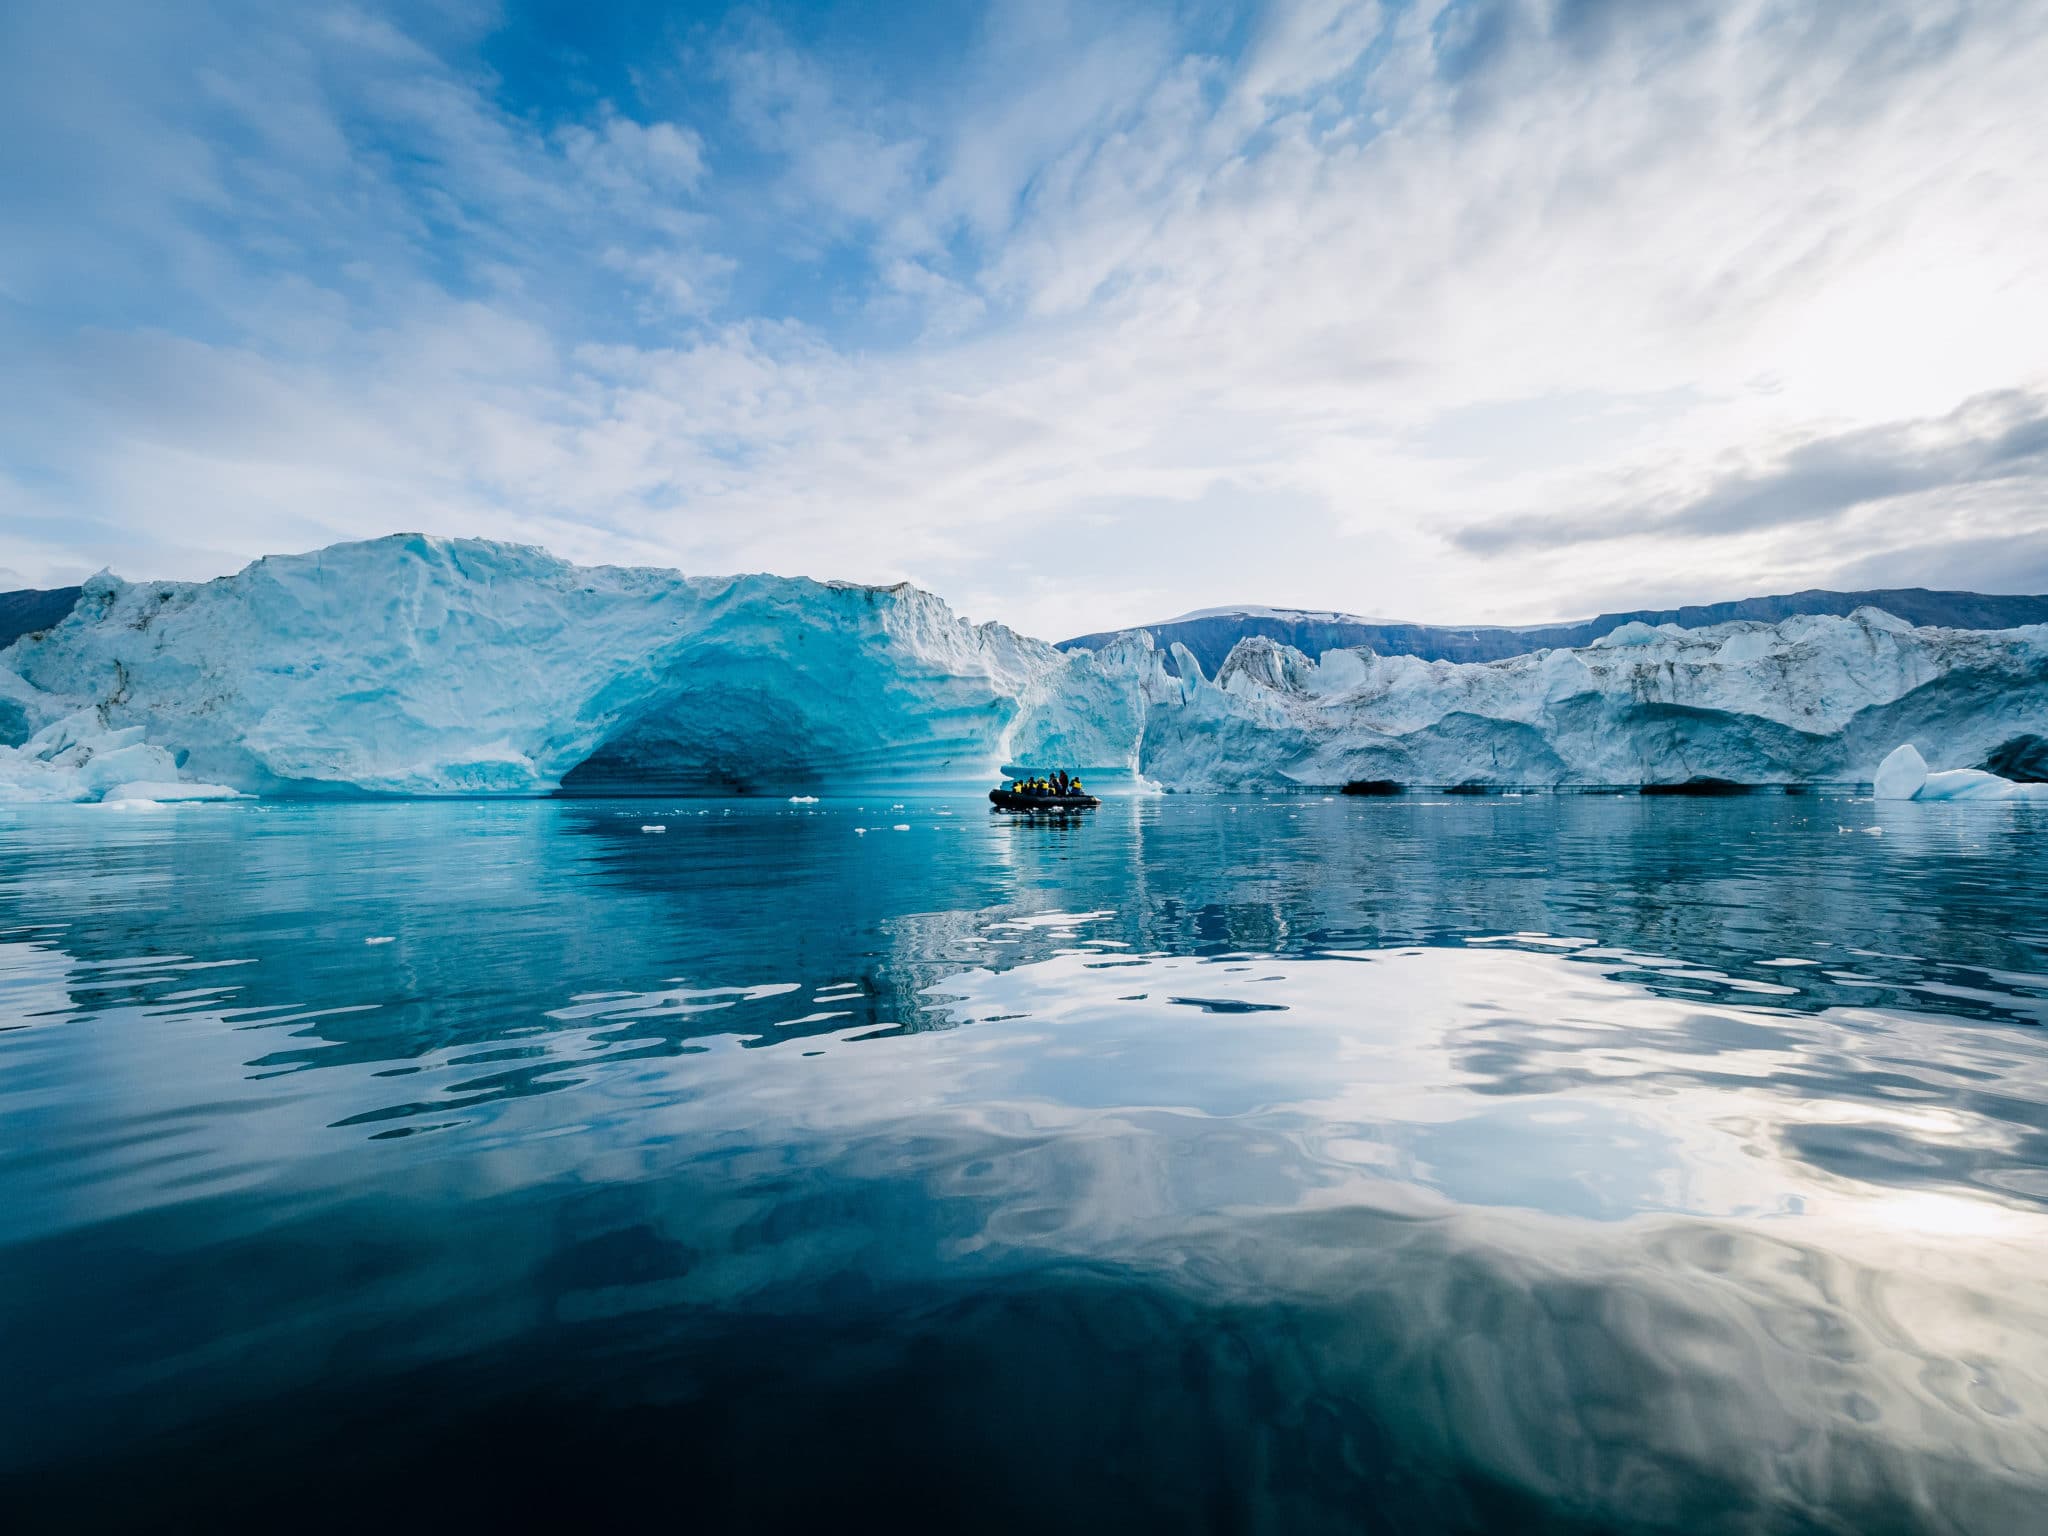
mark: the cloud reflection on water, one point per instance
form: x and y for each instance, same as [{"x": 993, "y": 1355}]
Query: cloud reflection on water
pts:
[{"x": 1531, "y": 1181}]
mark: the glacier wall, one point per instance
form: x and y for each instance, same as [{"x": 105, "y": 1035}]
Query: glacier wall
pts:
[
  {"x": 431, "y": 666},
  {"x": 1812, "y": 698},
  {"x": 420, "y": 665}
]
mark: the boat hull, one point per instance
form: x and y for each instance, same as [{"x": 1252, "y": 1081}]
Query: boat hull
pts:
[{"x": 1010, "y": 800}]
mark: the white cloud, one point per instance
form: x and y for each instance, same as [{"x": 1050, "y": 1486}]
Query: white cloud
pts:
[
  {"x": 1187, "y": 329},
  {"x": 1302, "y": 44},
  {"x": 630, "y": 158}
]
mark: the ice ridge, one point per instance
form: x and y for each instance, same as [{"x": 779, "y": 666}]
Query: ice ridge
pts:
[{"x": 418, "y": 665}]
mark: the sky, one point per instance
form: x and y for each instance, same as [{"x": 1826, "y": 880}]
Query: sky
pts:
[{"x": 1080, "y": 315}]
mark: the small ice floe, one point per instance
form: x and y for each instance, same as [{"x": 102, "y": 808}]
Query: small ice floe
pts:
[
  {"x": 1904, "y": 775},
  {"x": 803, "y": 799},
  {"x": 860, "y": 831},
  {"x": 654, "y": 827},
  {"x": 173, "y": 791},
  {"x": 380, "y": 938},
  {"x": 901, "y": 826}
]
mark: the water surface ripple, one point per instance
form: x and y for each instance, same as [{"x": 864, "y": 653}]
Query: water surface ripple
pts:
[{"x": 1285, "y": 1164}]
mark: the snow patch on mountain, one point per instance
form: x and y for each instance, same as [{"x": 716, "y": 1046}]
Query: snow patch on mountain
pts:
[{"x": 1259, "y": 611}]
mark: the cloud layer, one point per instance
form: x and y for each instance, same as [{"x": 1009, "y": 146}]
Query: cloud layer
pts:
[{"x": 1079, "y": 315}]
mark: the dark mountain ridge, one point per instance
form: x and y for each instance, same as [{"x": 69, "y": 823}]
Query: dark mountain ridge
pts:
[{"x": 31, "y": 609}]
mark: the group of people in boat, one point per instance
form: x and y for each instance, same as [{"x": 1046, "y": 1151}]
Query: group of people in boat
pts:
[{"x": 1050, "y": 784}]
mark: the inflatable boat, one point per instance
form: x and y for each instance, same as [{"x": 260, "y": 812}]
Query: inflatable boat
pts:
[{"x": 1012, "y": 800}]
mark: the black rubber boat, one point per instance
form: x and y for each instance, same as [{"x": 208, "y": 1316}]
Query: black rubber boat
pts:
[{"x": 1011, "y": 800}]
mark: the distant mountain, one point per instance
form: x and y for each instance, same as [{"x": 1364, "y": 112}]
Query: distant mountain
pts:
[
  {"x": 28, "y": 610},
  {"x": 1210, "y": 633}
]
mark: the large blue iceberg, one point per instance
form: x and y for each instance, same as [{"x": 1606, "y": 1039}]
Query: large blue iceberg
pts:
[{"x": 414, "y": 665}]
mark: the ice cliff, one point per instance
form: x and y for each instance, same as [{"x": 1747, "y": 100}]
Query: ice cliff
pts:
[
  {"x": 418, "y": 665},
  {"x": 1813, "y": 698}
]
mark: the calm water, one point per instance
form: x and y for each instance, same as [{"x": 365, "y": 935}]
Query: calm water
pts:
[{"x": 1265, "y": 1165}]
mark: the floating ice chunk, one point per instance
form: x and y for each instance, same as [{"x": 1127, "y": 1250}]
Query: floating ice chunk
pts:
[
  {"x": 77, "y": 757},
  {"x": 1904, "y": 776},
  {"x": 901, "y": 826},
  {"x": 803, "y": 799},
  {"x": 654, "y": 828},
  {"x": 1901, "y": 774},
  {"x": 380, "y": 938},
  {"x": 173, "y": 789},
  {"x": 1965, "y": 784}
]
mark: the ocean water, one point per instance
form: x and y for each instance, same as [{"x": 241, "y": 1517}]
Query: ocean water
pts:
[{"x": 1284, "y": 1164}]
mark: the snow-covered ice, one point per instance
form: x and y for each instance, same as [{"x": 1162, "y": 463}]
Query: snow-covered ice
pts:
[
  {"x": 1904, "y": 775},
  {"x": 80, "y": 757},
  {"x": 1811, "y": 698},
  {"x": 419, "y": 665},
  {"x": 1900, "y": 775},
  {"x": 436, "y": 666}
]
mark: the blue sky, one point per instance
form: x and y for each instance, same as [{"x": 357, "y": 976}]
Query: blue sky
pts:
[{"x": 1077, "y": 314}]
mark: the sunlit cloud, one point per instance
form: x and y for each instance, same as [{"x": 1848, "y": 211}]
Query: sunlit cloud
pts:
[{"x": 1076, "y": 315}]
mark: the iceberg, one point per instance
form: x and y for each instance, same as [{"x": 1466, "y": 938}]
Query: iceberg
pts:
[
  {"x": 80, "y": 757},
  {"x": 1814, "y": 698},
  {"x": 1904, "y": 775},
  {"x": 416, "y": 665},
  {"x": 1901, "y": 775}
]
